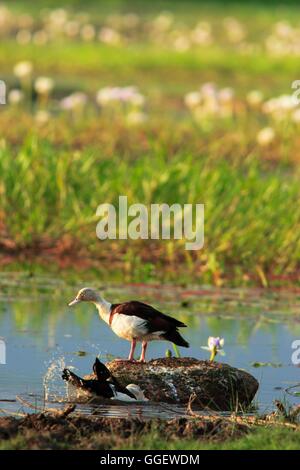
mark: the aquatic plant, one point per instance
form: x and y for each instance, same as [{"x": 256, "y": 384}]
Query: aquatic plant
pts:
[{"x": 214, "y": 346}]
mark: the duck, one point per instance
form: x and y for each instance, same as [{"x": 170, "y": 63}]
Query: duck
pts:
[
  {"x": 134, "y": 321},
  {"x": 104, "y": 385}
]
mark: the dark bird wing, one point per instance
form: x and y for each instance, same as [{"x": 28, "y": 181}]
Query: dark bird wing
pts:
[
  {"x": 145, "y": 311},
  {"x": 101, "y": 371},
  {"x": 155, "y": 320},
  {"x": 105, "y": 377},
  {"x": 99, "y": 388},
  {"x": 75, "y": 380}
]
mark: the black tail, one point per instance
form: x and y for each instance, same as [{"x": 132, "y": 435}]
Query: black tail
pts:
[{"x": 175, "y": 337}]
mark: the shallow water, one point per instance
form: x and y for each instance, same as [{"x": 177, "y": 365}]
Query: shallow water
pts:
[{"x": 43, "y": 335}]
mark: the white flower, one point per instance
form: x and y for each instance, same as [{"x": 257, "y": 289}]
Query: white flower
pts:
[
  {"x": 209, "y": 91},
  {"x": 72, "y": 28},
  {"x": 283, "y": 29},
  {"x": 15, "y": 96},
  {"x": 234, "y": 30},
  {"x": 23, "y": 69},
  {"x": 23, "y": 36},
  {"x": 215, "y": 343},
  {"x": 128, "y": 94},
  {"x": 287, "y": 102},
  {"x": 107, "y": 94},
  {"x": 254, "y": 97},
  {"x": 40, "y": 37},
  {"x": 215, "y": 346},
  {"x": 58, "y": 17},
  {"x": 226, "y": 95},
  {"x": 43, "y": 85},
  {"x": 42, "y": 117},
  {"x": 88, "y": 32},
  {"x": 181, "y": 43},
  {"x": 74, "y": 101},
  {"x": 136, "y": 117},
  {"x": 192, "y": 99},
  {"x": 265, "y": 136},
  {"x": 163, "y": 21},
  {"x": 202, "y": 33},
  {"x": 109, "y": 36},
  {"x": 296, "y": 116},
  {"x": 137, "y": 99},
  {"x": 280, "y": 106}
]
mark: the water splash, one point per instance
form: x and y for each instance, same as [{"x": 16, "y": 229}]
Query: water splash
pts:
[{"x": 54, "y": 387}]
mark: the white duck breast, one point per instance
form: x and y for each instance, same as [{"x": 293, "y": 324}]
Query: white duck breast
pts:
[{"x": 129, "y": 327}]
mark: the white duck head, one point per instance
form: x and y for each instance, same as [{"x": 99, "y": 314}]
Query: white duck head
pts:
[
  {"x": 137, "y": 392},
  {"x": 87, "y": 294}
]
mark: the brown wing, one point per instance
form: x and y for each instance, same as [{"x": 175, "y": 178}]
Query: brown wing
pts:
[{"x": 157, "y": 320}]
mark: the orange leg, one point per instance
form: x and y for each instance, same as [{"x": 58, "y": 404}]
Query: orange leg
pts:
[
  {"x": 131, "y": 354},
  {"x": 144, "y": 349}
]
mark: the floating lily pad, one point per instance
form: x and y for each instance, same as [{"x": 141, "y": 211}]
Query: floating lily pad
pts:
[
  {"x": 81, "y": 353},
  {"x": 294, "y": 390},
  {"x": 266, "y": 364}
]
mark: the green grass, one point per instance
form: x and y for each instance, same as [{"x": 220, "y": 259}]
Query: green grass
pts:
[
  {"x": 186, "y": 9},
  {"x": 90, "y": 59},
  {"x": 263, "y": 439},
  {"x": 54, "y": 192},
  {"x": 271, "y": 438}
]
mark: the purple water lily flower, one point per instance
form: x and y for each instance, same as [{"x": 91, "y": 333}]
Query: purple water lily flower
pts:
[
  {"x": 215, "y": 343},
  {"x": 215, "y": 346}
]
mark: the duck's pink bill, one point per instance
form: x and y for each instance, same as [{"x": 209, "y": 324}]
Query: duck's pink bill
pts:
[{"x": 74, "y": 302}]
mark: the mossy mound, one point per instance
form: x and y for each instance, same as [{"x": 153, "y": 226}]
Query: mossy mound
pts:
[{"x": 215, "y": 385}]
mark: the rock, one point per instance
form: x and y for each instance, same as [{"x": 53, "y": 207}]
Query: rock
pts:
[{"x": 217, "y": 386}]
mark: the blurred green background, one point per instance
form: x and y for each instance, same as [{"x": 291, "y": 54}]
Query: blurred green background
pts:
[{"x": 164, "y": 102}]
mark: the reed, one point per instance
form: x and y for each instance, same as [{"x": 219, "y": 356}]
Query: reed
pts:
[{"x": 251, "y": 213}]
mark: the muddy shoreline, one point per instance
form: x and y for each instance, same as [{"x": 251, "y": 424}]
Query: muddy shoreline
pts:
[
  {"x": 67, "y": 430},
  {"x": 52, "y": 431}
]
